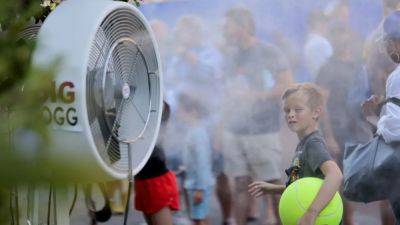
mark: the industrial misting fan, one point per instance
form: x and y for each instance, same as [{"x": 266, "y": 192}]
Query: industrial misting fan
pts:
[{"x": 106, "y": 108}]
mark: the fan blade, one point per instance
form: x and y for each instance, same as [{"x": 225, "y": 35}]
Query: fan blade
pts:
[{"x": 132, "y": 120}]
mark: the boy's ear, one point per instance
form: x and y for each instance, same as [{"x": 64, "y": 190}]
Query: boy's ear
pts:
[{"x": 317, "y": 112}]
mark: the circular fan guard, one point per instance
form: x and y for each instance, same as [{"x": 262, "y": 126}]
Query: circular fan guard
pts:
[
  {"x": 121, "y": 68},
  {"x": 30, "y": 32}
]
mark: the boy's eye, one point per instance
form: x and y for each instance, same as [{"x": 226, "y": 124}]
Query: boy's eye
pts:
[{"x": 298, "y": 110}]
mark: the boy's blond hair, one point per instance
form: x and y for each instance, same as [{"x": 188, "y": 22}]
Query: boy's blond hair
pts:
[{"x": 312, "y": 91}]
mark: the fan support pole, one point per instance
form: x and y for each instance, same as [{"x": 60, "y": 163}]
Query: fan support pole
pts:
[{"x": 130, "y": 179}]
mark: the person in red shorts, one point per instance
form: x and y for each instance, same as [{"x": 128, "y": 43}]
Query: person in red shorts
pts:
[{"x": 156, "y": 189}]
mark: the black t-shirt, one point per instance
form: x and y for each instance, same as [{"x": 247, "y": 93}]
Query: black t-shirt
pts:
[
  {"x": 343, "y": 79},
  {"x": 155, "y": 166},
  {"x": 310, "y": 153}
]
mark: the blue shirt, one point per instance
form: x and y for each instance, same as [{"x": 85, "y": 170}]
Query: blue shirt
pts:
[{"x": 197, "y": 158}]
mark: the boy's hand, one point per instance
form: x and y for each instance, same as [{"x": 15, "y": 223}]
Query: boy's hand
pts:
[
  {"x": 308, "y": 219},
  {"x": 259, "y": 188},
  {"x": 198, "y": 196}
]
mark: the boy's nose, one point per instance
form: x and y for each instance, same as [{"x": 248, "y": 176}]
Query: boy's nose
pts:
[{"x": 291, "y": 114}]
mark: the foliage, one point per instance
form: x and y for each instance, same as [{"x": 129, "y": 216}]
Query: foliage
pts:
[
  {"x": 21, "y": 87},
  {"x": 22, "y": 91}
]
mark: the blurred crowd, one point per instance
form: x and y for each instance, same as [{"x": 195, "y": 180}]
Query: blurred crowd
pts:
[{"x": 224, "y": 82}]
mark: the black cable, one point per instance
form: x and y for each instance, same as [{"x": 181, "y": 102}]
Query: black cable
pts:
[
  {"x": 16, "y": 204},
  {"x": 127, "y": 202},
  {"x": 49, "y": 204},
  {"x": 55, "y": 206},
  {"x": 75, "y": 197},
  {"x": 11, "y": 191},
  {"x": 11, "y": 209}
]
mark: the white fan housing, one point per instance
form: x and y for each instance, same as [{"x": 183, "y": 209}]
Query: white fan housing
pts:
[{"x": 107, "y": 65}]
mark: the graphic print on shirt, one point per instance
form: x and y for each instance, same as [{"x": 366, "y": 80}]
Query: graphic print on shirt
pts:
[{"x": 295, "y": 170}]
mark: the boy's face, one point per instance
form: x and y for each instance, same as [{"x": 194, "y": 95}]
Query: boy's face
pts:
[{"x": 299, "y": 116}]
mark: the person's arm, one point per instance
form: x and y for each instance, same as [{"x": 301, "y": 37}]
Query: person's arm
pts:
[
  {"x": 281, "y": 70},
  {"x": 283, "y": 73},
  {"x": 327, "y": 130},
  {"x": 283, "y": 81},
  {"x": 389, "y": 124},
  {"x": 333, "y": 180},
  {"x": 325, "y": 120},
  {"x": 370, "y": 108},
  {"x": 259, "y": 188}
]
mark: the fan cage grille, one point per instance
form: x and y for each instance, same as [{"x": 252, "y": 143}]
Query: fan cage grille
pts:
[{"x": 124, "y": 37}]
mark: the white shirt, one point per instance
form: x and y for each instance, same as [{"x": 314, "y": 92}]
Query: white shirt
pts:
[
  {"x": 317, "y": 50},
  {"x": 389, "y": 122}
]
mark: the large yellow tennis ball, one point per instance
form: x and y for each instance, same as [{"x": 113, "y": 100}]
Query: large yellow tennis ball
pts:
[{"x": 297, "y": 198}]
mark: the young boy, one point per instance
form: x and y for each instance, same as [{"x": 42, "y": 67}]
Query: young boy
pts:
[
  {"x": 303, "y": 105},
  {"x": 199, "y": 180}
]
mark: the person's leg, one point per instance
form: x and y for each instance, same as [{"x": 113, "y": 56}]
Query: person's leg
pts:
[
  {"x": 124, "y": 184},
  {"x": 236, "y": 168},
  {"x": 111, "y": 190},
  {"x": 269, "y": 216},
  {"x": 224, "y": 195},
  {"x": 275, "y": 205},
  {"x": 264, "y": 159},
  {"x": 242, "y": 198},
  {"x": 162, "y": 217},
  {"x": 252, "y": 210},
  {"x": 348, "y": 213},
  {"x": 199, "y": 211},
  {"x": 147, "y": 218},
  {"x": 387, "y": 217},
  {"x": 395, "y": 204},
  {"x": 199, "y": 222},
  {"x": 272, "y": 207},
  {"x": 348, "y": 206}
]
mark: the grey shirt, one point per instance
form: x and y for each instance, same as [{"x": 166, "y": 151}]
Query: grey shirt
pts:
[
  {"x": 256, "y": 68},
  {"x": 310, "y": 153}
]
